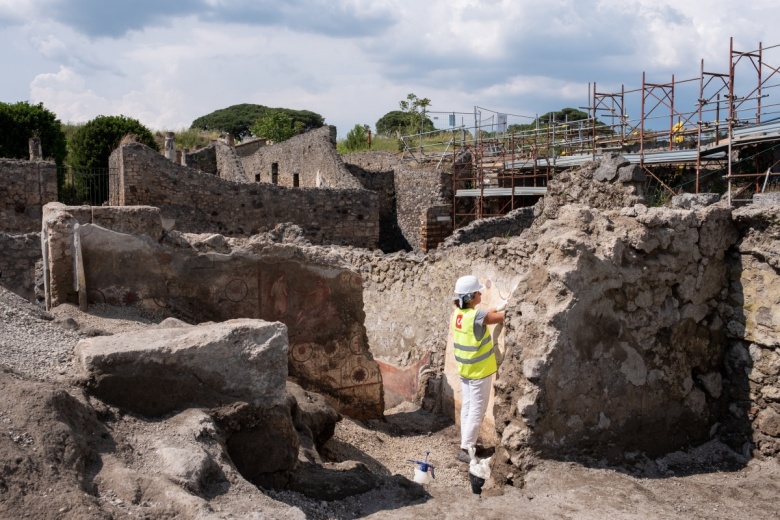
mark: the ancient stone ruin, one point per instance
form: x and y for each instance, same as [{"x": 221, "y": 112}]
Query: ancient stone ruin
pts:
[
  {"x": 630, "y": 328},
  {"x": 315, "y": 294}
]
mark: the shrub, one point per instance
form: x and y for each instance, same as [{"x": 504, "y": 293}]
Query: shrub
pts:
[
  {"x": 357, "y": 139},
  {"x": 93, "y": 143},
  {"x": 21, "y": 121},
  {"x": 277, "y": 126}
]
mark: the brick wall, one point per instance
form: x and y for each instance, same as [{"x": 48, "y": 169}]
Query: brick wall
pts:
[
  {"x": 25, "y": 187},
  {"x": 202, "y": 203},
  {"x": 436, "y": 226}
]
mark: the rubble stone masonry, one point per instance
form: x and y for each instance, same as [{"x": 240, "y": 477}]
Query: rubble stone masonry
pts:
[
  {"x": 204, "y": 159},
  {"x": 17, "y": 263},
  {"x": 752, "y": 362},
  {"x": 202, "y": 203},
  {"x": 228, "y": 164},
  {"x": 628, "y": 327},
  {"x": 25, "y": 187},
  {"x": 413, "y": 191},
  {"x": 310, "y": 159}
]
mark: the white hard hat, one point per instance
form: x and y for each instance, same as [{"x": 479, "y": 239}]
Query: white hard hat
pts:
[{"x": 467, "y": 285}]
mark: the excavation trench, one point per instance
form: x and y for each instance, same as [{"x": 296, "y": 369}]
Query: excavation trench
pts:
[{"x": 620, "y": 321}]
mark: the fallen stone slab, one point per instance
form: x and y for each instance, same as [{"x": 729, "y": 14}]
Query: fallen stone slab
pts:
[
  {"x": 333, "y": 481},
  {"x": 155, "y": 371}
]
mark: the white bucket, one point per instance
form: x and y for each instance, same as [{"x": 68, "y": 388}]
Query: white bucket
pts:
[{"x": 421, "y": 477}]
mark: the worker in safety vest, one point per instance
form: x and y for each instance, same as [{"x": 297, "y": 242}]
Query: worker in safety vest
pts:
[{"x": 474, "y": 357}]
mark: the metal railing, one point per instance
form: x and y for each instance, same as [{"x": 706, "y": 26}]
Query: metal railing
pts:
[{"x": 84, "y": 187}]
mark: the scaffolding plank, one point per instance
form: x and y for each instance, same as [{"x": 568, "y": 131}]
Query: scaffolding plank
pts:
[{"x": 501, "y": 192}]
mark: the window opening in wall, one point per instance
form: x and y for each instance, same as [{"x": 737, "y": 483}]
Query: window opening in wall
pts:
[
  {"x": 257, "y": 178},
  {"x": 296, "y": 180},
  {"x": 275, "y": 173}
]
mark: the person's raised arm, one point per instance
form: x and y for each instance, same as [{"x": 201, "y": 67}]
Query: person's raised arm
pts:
[{"x": 493, "y": 317}]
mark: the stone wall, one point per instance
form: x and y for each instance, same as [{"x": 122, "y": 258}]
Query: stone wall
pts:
[
  {"x": 204, "y": 159},
  {"x": 121, "y": 256},
  {"x": 248, "y": 148},
  {"x": 381, "y": 181},
  {"x": 229, "y": 165},
  {"x": 19, "y": 255},
  {"x": 415, "y": 190},
  {"x": 613, "y": 339},
  {"x": 616, "y": 338},
  {"x": 310, "y": 158},
  {"x": 752, "y": 363},
  {"x": 766, "y": 199},
  {"x": 622, "y": 334},
  {"x": 511, "y": 224},
  {"x": 25, "y": 187},
  {"x": 197, "y": 202},
  {"x": 407, "y": 300},
  {"x": 62, "y": 253}
]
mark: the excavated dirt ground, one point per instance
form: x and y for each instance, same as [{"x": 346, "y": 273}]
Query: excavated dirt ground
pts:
[{"x": 708, "y": 482}]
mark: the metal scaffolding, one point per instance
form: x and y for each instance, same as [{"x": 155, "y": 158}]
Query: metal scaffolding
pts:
[{"x": 496, "y": 169}]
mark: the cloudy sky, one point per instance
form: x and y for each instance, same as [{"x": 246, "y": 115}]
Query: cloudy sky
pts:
[{"x": 167, "y": 62}]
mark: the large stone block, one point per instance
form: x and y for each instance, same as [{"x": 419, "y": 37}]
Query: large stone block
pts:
[
  {"x": 609, "y": 166},
  {"x": 631, "y": 173},
  {"x": 766, "y": 199},
  {"x": 155, "y": 371}
]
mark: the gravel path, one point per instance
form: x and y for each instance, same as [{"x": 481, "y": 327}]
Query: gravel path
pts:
[
  {"x": 32, "y": 343},
  {"x": 40, "y": 344}
]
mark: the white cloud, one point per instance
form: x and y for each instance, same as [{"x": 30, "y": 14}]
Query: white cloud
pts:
[
  {"x": 352, "y": 61},
  {"x": 66, "y": 94},
  {"x": 13, "y": 10},
  {"x": 49, "y": 46}
]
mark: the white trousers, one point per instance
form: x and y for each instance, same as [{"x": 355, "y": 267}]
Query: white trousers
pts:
[{"x": 475, "y": 394}]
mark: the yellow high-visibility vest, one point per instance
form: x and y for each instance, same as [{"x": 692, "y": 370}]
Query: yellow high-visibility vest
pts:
[{"x": 475, "y": 357}]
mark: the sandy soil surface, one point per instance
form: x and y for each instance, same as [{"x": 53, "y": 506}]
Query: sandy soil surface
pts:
[
  {"x": 704, "y": 483},
  {"x": 708, "y": 482}
]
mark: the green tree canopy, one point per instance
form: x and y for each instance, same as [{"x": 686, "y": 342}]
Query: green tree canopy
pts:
[
  {"x": 21, "y": 121},
  {"x": 93, "y": 143},
  {"x": 409, "y": 119},
  {"x": 238, "y": 119},
  {"x": 357, "y": 138},
  {"x": 559, "y": 116},
  {"x": 392, "y": 122},
  {"x": 563, "y": 115},
  {"x": 277, "y": 126}
]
